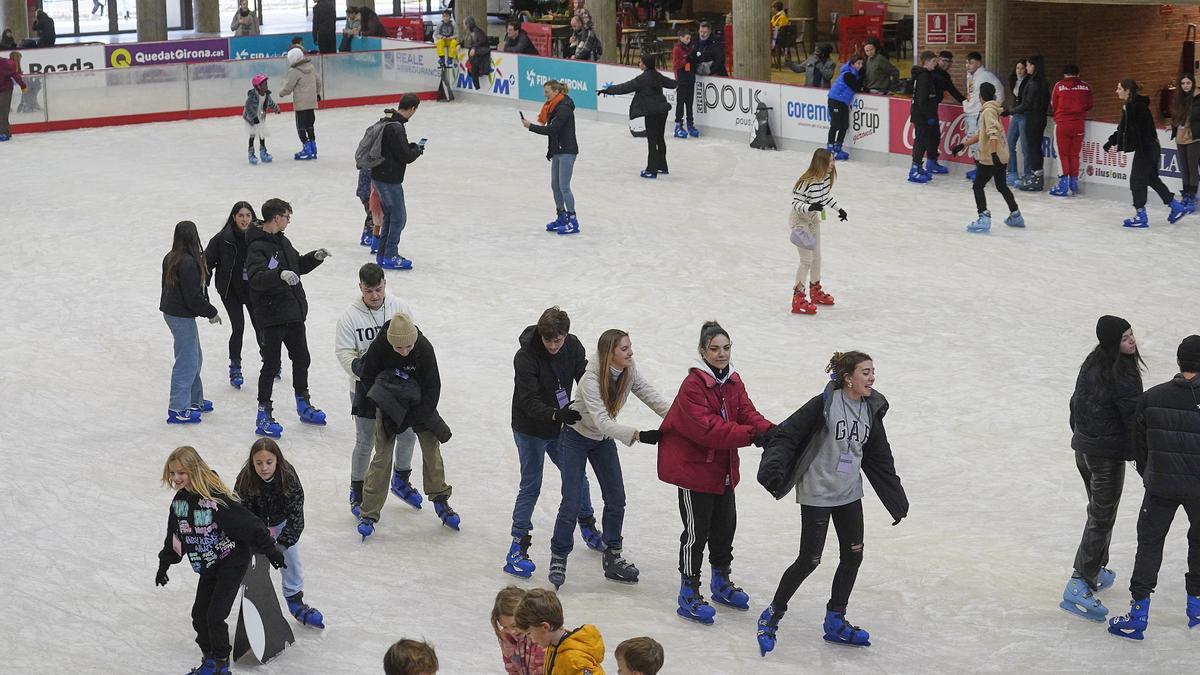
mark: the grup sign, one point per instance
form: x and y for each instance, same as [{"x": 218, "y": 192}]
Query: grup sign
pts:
[
  {"x": 160, "y": 53},
  {"x": 60, "y": 59},
  {"x": 805, "y": 117},
  {"x": 579, "y": 76},
  {"x": 730, "y": 104}
]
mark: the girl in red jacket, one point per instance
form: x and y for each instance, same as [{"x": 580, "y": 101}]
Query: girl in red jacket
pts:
[{"x": 710, "y": 419}]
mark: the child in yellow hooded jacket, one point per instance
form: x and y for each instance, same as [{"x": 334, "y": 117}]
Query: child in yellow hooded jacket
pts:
[{"x": 568, "y": 652}]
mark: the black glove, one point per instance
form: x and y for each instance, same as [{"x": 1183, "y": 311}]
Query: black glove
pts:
[
  {"x": 996, "y": 160},
  {"x": 1108, "y": 146},
  {"x": 897, "y": 521},
  {"x": 566, "y": 416},
  {"x": 275, "y": 557},
  {"x": 816, "y": 207},
  {"x": 161, "y": 578},
  {"x": 650, "y": 437},
  {"x": 842, "y": 215},
  {"x": 254, "y": 121},
  {"x": 761, "y": 438},
  {"x": 1005, "y": 113},
  {"x": 957, "y": 149},
  {"x": 602, "y": 91}
]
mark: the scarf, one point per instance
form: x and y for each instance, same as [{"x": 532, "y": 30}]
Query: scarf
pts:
[{"x": 548, "y": 107}]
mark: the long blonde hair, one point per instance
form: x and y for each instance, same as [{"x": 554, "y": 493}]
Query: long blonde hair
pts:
[
  {"x": 611, "y": 393},
  {"x": 506, "y": 605},
  {"x": 201, "y": 479},
  {"x": 820, "y": 166}
]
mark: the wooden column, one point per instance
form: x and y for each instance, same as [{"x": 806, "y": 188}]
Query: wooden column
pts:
[
  {"x": 752, "y": 39},
  {"x": 472, "y": 8},
  {"x": 151, "y": 20},
  {"x": 208, "y": 16},
  {"x": 604, "y": 20},
  {"x": 995, "y": 37},
  {"x": 14, "y": 15}
]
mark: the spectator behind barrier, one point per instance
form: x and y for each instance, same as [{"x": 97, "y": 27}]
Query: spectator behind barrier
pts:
[
  {"x": 244, "y": 20},
  {"x": 880, "y": 76},
  {"x": 7, "y": 41},
  {"x": 516, "y": 41},
  {"x": 584, "y": 41},
  {"x": 818, "y": 68},
  {"x": 43, "y": 25}
]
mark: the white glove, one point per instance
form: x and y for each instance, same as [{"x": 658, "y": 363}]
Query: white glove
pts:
[
  {"x": 321, "y": 254},
  {"x": 289, "y": 277},
  {"x": 215, "y": 318}
]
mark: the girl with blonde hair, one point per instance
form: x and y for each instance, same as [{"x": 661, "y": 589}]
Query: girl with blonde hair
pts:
[{"x": 810, "y": 199}]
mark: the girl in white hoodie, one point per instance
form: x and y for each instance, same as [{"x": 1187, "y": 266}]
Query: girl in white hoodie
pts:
[{"x": 610, "y": 377}]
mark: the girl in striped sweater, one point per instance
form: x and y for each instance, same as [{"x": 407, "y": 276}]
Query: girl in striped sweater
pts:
[{"x": 811, "y": 200}]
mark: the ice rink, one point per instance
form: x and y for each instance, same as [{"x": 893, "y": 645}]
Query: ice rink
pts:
[{"x": 976, "y": 340}]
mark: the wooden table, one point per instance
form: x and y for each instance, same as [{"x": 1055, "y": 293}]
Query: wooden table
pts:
[{"x": 627, "y": 38}]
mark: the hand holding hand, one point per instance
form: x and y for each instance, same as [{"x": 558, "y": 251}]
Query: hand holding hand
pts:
[
  {"x": 957, "y": 149},
  {"x": 215, "y": 319},
  {"x": 321, "y": 254},
  {"x": 289, "y": 277},
  {"x": 567, "y": 416},
  {"x": 650, "y": 437},
  {"x": 842, "y": 215}
]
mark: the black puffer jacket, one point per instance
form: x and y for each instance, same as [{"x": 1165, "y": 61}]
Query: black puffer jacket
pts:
[
  {"x": 1167, "y": 439},
  {"x": 398, "y": 153},
  {"x": 925, "y": 96},
  {"x": 1102, "y": 410},
  {"x": 559, "y": 130},
  {"x": 945, "y": 85},
  {"x": 420, "y": 364},
  {"x": 647, "y": 89},
  {"x": 1035, "y": 94},
  {"x": 538, "y": 376},
  {"x": 711, "y": 51},
  {"x": 267, "y": 255},
  {"x": 1136, "y": 132},
  {"x": 187, "y": 297},
  {"x": 226, "y": 258},
  {"x": 273, "y": 506}
]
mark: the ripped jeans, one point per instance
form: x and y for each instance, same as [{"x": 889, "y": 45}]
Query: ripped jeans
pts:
[{"x": 814, "y": 526}]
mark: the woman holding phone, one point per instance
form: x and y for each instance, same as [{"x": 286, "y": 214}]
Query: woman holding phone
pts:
[{"x": 556, "y": 122}]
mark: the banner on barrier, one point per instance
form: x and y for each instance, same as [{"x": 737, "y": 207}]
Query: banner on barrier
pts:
[
  {"x": 266, "y": 46},
  {"x": 609, "y": 75},
  {"x": 806, "y": 118},
  {"x": 61, "y": 59},
  {"x": 421, "y": 62},
  {"x": 1112, "y": 168},
  {"x": 730, "y": 104},
  {"x": 953, "y": 124},
  {"x": 579, "y": 76},
  {"x": 503, "y": 81},
  {"x": 159, "y": 53}
]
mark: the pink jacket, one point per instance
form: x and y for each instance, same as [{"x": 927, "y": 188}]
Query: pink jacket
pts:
[
  {"x": 521, "y": 655},
  {"x": 8, "y": 73}
]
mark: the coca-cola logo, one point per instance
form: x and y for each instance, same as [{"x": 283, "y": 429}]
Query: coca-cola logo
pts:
[{"x": 953, "y": 133}]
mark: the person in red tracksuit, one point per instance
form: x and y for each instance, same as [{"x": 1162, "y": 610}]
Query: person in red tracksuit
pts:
[
  {"x": 1070, "y": 100},
  {"x": 710, "y": 419}
]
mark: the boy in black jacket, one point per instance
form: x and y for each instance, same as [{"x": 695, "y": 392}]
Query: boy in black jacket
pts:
[
  {"x": 924, "y": 117},
  {"x": 388, "y": 179},
  {"x": 944, "y": 85},
  {"x": 277, "y": 297},
  {"x": 1166, "y": 442},
  {"x": 404, "y": 349}
]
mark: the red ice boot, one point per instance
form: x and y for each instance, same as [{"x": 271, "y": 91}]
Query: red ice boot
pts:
[
  {"x": 800, "y": 304},
  {"x": 819, "y": 296}
]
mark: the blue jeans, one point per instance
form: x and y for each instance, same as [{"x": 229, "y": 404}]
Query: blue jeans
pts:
[
  {"x": 186, "y": 388},
  {"x": 1016, "y": 138},
  {"x": 293, "y": 574},
  {"x": 574, "y": 453},
  {"x": 391, "y": 197},
  {"x": 532, "y": 452},
  {"x": 561, "y": 168}
]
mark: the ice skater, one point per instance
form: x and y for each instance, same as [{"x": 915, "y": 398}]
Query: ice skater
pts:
[
  {"x": 556, "y": 122},
  {"x": 1185, "y": 131},
  {"x": 841, "y": 97},
  {"x": 303, "y": 84},
  {"x": 10, "y": 74},
  {"x": 258, "y": 104},
  {"x": 811, "y": 198},
  {"x": 219, "y": 536},
  {"x": 683, "y": 63},
  {"x": 273, "y": 269},
  {"x": 712, "y": 416},
  {"x": 225, "y": 256},
  {"x": 1167, "y": 452},
  {"x": 183, "y": 299},
  {"x": 977, "y": 76},
  {"x": 649, "y": 103},
  {"x": 821, "y": 451},
  {"x": 1138, "y": 134},
  {"x": 990, "y": 164},
  {"x": 610, "y": 378},
  {"x": 1070, "y": 101},
  {"x": 1102, "y": 408},
  {"x": 270, "y": 489}
]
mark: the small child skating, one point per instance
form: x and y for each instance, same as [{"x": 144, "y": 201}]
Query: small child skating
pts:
[
  {"x": 810, "y": 199},
  {"x": 992, "y": 162},
  {"x": 304, "y": 85},
  {"x": 271, "y": 490},
  {"x": 363, "y": 192},
  {"x": 521, "y": 655},
  {"x": 568, "y": 652},
  {"x": 444, "y": 40},
  {"x": 639, "y": 656},
  {"x": 219, "y": 536},
  {"x": 258, "y": 104}
]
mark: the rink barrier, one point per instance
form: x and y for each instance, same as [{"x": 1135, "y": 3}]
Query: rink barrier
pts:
[{"x": 182, "y": 91}]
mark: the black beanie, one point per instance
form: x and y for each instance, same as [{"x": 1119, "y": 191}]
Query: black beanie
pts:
[
  {"x": 1109, "y": 330},
  {"x": 1188, "y": 354}
]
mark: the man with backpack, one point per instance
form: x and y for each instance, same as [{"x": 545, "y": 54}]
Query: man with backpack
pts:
[{"x": 385, "y": 150}]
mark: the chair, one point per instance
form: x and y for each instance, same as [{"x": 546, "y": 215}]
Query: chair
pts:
[
  {"x": 902, "y": 36},
  {"x": 785, "y": 42}
]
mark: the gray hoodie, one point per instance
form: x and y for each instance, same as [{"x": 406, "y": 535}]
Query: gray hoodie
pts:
[{"x": 834, "y": 476}]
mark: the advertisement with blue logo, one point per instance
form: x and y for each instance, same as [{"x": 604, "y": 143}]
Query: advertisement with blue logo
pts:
[
  {"x": 502, "y": 81},
  {"x": 579, "y": 76},
  {"x": 266, "y": 46}
]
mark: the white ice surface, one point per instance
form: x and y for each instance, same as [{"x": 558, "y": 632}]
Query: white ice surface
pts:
[{"x": 976, "y": 339}]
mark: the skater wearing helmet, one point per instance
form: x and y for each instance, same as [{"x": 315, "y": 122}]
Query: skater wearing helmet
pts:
[
  {"x": 811, "y": 199},
  {"x": 821, "y": 451},
  {"x": 1102, "y": 407},
  {"x": 1137, "y": 134},
  {"x": 258, "y": 104}
]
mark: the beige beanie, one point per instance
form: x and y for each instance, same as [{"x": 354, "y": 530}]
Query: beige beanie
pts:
[{"x": 401, "y": 331}]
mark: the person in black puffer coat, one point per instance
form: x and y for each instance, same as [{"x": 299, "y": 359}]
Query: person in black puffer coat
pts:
[
  {"x": 226, "y": 258},
  {"x": 1166, "y": 441},
  {"x": 1035, "y": 106},
  {"x": 1137, "y": 134},
  {"x": 273, "y": 267},
  {"x": 556, "y": 122},
  {"x": 479, "y": 51},
  {"x": 924, "y": 117},
  {"x": 650, "y": 103},
  {"x": 1102, "y": 407}
]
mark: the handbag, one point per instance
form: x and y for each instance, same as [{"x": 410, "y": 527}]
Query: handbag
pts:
[
  {"x": 804, "y": 238},
  {"x": 1183, "y": 134}
]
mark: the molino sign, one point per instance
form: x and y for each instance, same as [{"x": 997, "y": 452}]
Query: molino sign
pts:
[
  {"x": 61, "y": 59},
  {"x": 579, "y": 76}
]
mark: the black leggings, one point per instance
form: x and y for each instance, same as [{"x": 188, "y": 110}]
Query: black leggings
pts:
[
  {"x": 237, "y": 323},
  {"x": 839, "y": 121},
  {"x": 995, "y": 173},
  {"x": 1035, "y": 127},
  {"x": 274, "y": 338},
  {"x": 215, "y": 593},
  {"x": 656, "y": 157},
  {"x": 305, "y": 121},
  {"x": 814, "y": 525}
]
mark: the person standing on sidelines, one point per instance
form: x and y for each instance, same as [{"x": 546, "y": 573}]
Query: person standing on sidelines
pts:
[
  {"x": 1035, "y": 103},
  {"x": 650, "y": 103},
  {"x": 1017, "y": 82},
  {"x": 924, "y": 117},
  {"x": 841, "y": 95},
  {"x": 683, "y": 63},
  {"x": 324, "y": 26},
  {"x": 10, "y": 73},
  {"x": 976, "y": 76},
  {"x": 1070, "y": 101},
  {"x": 1185, "y": 131},
  {"x": 556, "y": 122},
  {"x": 388, "y": 179},
  {"x": 358, "y": 327},
  {"x": 1138, "y": 134}
]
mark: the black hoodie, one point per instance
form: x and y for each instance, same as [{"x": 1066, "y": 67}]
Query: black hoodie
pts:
[
  {"x": 1136, "y": 132},
  {"x": 559, "y": 130},
  {"x": 1166, "y": 439},
  {"x": 538, "y": 376},
  {"x": 398, "y": 153},
  {"x": 267, "y": 256},
  {"x": 926, "y": 96}
]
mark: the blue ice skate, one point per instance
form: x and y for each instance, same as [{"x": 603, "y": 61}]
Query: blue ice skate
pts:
[
  {"x": 647, "y": 173},
  {"x": 592, "y": 536},
  {"x": 680, "y": 132},
  {"x": 1193, "y": 611},
  {"x": 265, "y": 424},
  {"x": 1062, "y": 189},
  {"x": 366, "y": 527},
  {"x": 1015, "y": 219},
  {"x": 691, "y": 604},
  {"x": 558, "y": 222},
  {"x": 1013, "y": 180},
  {"x": 450, "y": 518},
  {"x": 1178, "y": 210},
  {"x": 932, "y": 167},
  {"x": 916, "y": 175},
  {"x": 1138, "y": 221},
  {"x": 693, "y": 131},
  {"x": 207, "y": 667},
  {"x": 1079, "y": 600},
  {"x": 839, "y": 154},
  {"x": 365, "y": 238},
  {"x": 517, "y": 562},
  {"x": 1073, "y": 185},
  {"x": 312, "y": 148},
  {"x": 185, "y": 416},
  {"x": 404, "y": 490},
  {"x": 838, "y": 631},
  {"x": 204, "y": 406},
  {"x": 768, "y": 623},
  {"x": 356, "y": 498},
  {"x": 1133, "y": 625},
  {"x": 981, "y": 224},
  {"x": 235, "y": 374},
  {"x": 725, "y": 592},
  {"x": 309, "y": 616},
  {"x": 1105, "y": 579},
  {"x": 571, "y": 224},
  {"x": 970, "y": 175},
  {"x": 264, "y": 156},
  {"x": 304, "y": 154},
  {"x": 308, "y": 414},
  {"x": 252, "y": 158},
  {"x": 396, "y": 262}
]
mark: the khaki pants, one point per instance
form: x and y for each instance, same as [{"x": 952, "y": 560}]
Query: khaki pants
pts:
[
  {"x": 379, "y": 473},
  {"x": 809, "y": 269}
]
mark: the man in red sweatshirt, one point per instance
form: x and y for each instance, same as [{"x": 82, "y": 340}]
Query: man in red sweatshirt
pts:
[{"x": 1070, "y": 100}]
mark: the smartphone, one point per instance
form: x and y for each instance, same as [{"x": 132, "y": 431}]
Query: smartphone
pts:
[
  {"x": 422, "y": 142},
  {"x": 521, "y": 113}
]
